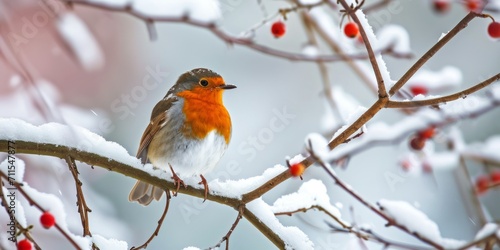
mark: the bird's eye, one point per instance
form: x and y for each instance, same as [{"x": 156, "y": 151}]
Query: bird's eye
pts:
[{"x": 204, "y": 83}]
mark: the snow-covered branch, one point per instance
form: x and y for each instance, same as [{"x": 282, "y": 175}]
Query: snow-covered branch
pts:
[
  {"x": 59, "y": 140},
  {"x": 153, "y": 11}
]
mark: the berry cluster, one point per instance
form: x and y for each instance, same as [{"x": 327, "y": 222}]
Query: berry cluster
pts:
[
  {"x": 278, "y": 29},
  {"x": 407, "y": 165},
  {"x": 47, "y": 220},
  {"x": 484, "y": 182},
  {"x": 442, "y": 6},
  {"x": 417, "y": 142}
]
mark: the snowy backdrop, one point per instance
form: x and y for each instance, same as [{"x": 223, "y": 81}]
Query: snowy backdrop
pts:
[{"x": 356, "y": 124}]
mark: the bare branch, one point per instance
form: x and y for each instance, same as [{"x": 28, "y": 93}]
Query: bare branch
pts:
[
  {"x": 472, "y": 192},
  {"x": 485, "y": 239},
  {"x": 32, "y": 202},
  {"x": 136, "y": 173},
  {"x": 365, "y": 234},
  {"x": 367, "y": 143},
  {"x": 243, "y": 41},
  {"x": 83, "y": 209},
  {"x": 443, "y": 99},
  {"x": 24, "y": 231},
  {"x": 433, "y": 50},
  {"x": 153, "y": 34},
  {"x": 382, "y": 93},
  {"x": 355, "y": 195},
  {"x": 320, "y": 208}
]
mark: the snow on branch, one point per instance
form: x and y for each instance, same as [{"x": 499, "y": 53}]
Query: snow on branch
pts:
[
  {"x": 65, "y": 141},
  {"x": 434, "y": 49},
  {"x": 416, "y": 222},
  {"x": 237, "y": 188},
  {"x": 47, "y": 202},
  {"x": 446, "y": 78},
  {"x": 293, "y": 237},
  {"x": 325, "y": 166},
  {"x": 484, "y": 151},
  {"x": 311, "y": 195},
  {"x": 205, "y": 14},
  {"x": 382, "y": 133}
]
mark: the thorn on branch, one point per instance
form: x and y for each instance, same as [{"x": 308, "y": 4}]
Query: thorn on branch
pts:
[{"x": 153, "y": 33}]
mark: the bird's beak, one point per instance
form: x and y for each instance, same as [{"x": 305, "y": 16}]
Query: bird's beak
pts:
[{"x": 227, "y": 86}]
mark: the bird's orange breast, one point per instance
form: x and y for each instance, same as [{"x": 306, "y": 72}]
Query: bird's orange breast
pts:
[{"x": 204, "y": 112}]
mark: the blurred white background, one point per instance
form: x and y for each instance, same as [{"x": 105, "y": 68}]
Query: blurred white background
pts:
[{"x": 266, "y": 83}]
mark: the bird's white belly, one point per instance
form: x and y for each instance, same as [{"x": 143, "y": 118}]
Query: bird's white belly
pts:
[{"x": 190, "y": 157}]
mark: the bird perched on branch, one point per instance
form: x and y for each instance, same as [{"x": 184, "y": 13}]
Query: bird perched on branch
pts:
[{"x": 189, "y": 131}]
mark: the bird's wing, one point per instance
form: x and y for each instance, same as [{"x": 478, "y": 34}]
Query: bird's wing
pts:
[{"x": 158, "y": 121}]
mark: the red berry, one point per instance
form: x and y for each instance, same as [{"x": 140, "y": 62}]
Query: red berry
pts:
[
  {"x": 427, "y": 133},
  {"x": 473, "y": 5},
  {"x": 418, "y": 90},
  {"x": 47, "y": 220},
  {"x": 482, "y": 184},
  {"x": 495, "y": 176},
  {"x": 351, "y": 30},
  {"x": 417, "y": 143},
  {"x": 441, "y": 6},
  {"x": 24, "y": 245},
  {"x": 426, "y": 167},
  {"x": 406, "y": 165},
  {"x": 278, "y": 29},
  {"x": 297, "y": 169},
  {"x": 494, "y": 29}
]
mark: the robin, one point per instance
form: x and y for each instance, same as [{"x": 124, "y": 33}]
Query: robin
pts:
[{"x": 189, "y": 131}]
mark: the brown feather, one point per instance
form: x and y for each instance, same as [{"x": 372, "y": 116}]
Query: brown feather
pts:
[{"x": 158, "y": 119}]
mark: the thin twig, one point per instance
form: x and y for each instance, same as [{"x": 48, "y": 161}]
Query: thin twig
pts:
[
  {"x": 83, "y": 209},
  {"x": 152, "y": 32},
  {"x": 160, "y": 222},
  {"x": 365, "y": 234},
  {"x": 11, "y": 214},
  {"x": 472, "y": 192},
  {"x": 308, "y": 161},
  {"x": 230, "y": 39},
  {"x": 334, "y": 46},
  {"x": 435, "y": 101},
  {"x": 355, "y": 195},
  {"x": 376, "y": 6},
  {"x": 446, "y": 120},
  {"x": 283, "y": 12},
  {"x": 479, "y": 241},
  {"x": 382, "y": 93},
  {"x": 433, "y": 50},
  {"x": 228, "y": 234},
  {"x": 320, "y": 208},
  {"x": 327, "y": 88},
  {"x": 32, "y": 202},
  {"x": 391, "y": 243}
]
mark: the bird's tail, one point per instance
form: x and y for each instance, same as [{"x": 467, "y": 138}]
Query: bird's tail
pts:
[{"x": 144, "y": 193}]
